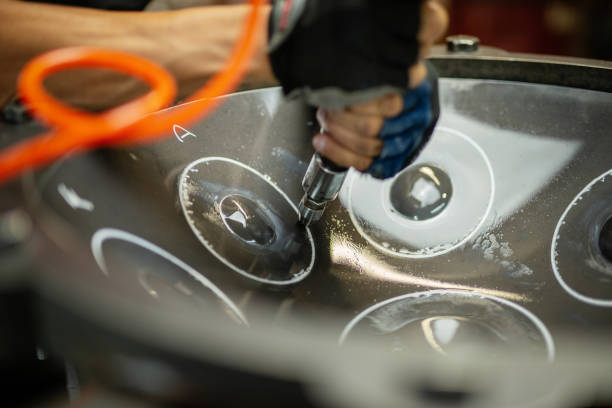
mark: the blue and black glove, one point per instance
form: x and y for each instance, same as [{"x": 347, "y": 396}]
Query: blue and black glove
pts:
[
  {"x": 337, "y": 53},
  {"x": 405, "y": 135}
]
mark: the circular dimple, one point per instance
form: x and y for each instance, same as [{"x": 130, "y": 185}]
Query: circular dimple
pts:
[
  {"x": 381, "y": 213},
  {"x": 581, "y": 246},
  {"x": 451, "y": 322},
  {"x": 163, "y": 276},
  {"x": 245, "y": 221},
  {"x": 421, "y": 192},
  {"x": 605, "y": 240}
]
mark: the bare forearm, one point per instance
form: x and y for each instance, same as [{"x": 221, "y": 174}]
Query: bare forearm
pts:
[{"x": 191, "y": 43}]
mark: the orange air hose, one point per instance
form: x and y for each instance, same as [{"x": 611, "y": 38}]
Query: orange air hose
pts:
[{"x": 77, "y": 130}]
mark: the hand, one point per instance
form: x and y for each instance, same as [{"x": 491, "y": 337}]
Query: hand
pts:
[{"x": 350, "y": 136}]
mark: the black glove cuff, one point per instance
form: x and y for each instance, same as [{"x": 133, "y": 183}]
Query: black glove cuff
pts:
[{"x": 353, "y": 46}]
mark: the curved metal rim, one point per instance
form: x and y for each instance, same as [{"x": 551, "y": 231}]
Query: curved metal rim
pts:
[
  {"x": 548, "y": 340},
  {"x": 493, "y": 63}
]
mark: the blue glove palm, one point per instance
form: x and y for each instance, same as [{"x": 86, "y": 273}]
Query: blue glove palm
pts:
[{"x": 405, "y": 135}]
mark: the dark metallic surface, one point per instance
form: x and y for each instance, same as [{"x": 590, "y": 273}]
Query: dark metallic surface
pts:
[
  {"x": 545, "y": 144},
  {"x": 252, "y": 225},
  {"x": 421, "y": 192},
  {"x": 540, "y": 155},
  {"x": 15, "y": 229},
  {"x": 605, "y": 240},
  {"x": 245, "y": 220},
  {"x": 493, "y": 63}
]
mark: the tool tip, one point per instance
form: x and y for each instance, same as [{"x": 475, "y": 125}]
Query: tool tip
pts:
[{"x": 303, "y": 221}]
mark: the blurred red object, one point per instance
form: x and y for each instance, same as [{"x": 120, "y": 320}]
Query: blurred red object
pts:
[{"x": 513, "y": 25}]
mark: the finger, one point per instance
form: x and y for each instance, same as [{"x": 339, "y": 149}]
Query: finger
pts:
[
  {"x": 388, "y": 106},
  {"x": 434, "y": 22},
  {"x": 419, "y": 116},
  {"x": 424, "y": 51},
  {"x": 364, "y": 146},
  {"x": 362, "y": 125},
  {"x": 417, "y": 74},
  {"x": 338, "y": 154}
]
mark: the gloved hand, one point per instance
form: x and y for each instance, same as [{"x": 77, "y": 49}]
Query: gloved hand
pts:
[
  {"x": 352, "y": 58},
  {"x": 343, "y": 52},
  {"x": 405, "y": 135}
]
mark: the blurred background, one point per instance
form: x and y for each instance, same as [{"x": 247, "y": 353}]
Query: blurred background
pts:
[
  {"x": 579, "y": 28},
  {"x": 560, "y": 27}
]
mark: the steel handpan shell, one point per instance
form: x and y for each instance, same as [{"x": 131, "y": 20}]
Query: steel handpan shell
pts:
[{"x": 513, "y": 122}]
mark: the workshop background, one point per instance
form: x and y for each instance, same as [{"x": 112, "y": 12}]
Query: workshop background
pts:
[
  {"x": 573, "y": 28},
  {"x": 579, "y": 28}
]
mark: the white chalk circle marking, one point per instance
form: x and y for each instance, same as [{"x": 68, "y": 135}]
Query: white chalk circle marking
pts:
[
  {"x": 183, "y": 197},
  {"x": 548, "y": 340},
  {"x": 397, "y": 219},
  {"x": 553, "y": 249},
  {"x": 73, "y": 199},
  {"x": 105, "y": 234}
]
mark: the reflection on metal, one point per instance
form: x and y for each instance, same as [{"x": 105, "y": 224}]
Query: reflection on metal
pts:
[
  {"x": 105, "y": 234},
  {"x": 421, "y": 192},
  {"x": 579, "y": 264},
  {"x": 381, "y": 213},
  {"x": 142, "y": 279},
  {"x": 346, "y": 253},
  {"x": 537, "y": 150},
  {"x": 433, "y": 334},
  {"x": 15, "y": 228},
  {"x": 321, "y": 183},
  {"x": 246, "y": 221},
  {"x": 500, "y": 318},
  {"x": 516, "y": 156},
  {"x": 244, "y": 218},
  {"x": 462, "y": 43}
]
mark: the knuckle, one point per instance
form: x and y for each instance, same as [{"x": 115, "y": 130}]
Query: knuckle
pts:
[
  {"x": 342, "y": 158},
  {"x": 363, "y": 148},
  {"x": 365, "y": 127},
  {"x": 335, "y": 132},
  {"x": 363, "y": 163},
  {"x": 369, "y": 147},
  {"x": 331, "y": 116},
  {"x": 417, "y": 74},
  {"x": 330, "y": 128},
  {"x": 370, "y": 126},
  {"x": 377, "y": 148},
  {"x": 378, "y": 125},
  {"x": 392, "y": 105},
  {"x": 366, "y": 106}
]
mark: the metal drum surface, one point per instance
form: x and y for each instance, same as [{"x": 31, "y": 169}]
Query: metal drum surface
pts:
[{"x": 496, "y": 243}]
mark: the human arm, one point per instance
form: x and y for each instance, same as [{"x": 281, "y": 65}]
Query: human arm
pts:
[{"x": 191, "y": 43}]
